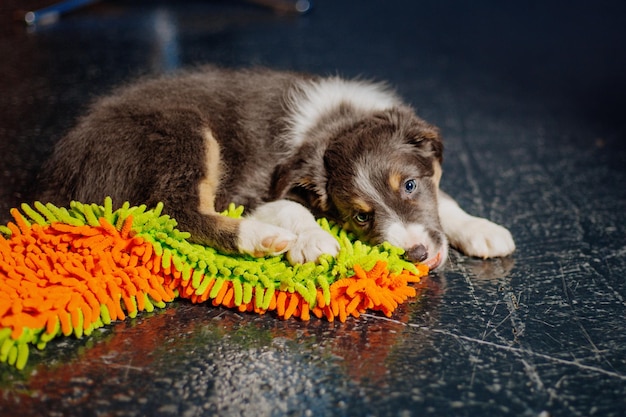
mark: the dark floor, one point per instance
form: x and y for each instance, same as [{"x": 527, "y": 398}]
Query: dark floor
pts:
[{"x": 530, "y": 98}]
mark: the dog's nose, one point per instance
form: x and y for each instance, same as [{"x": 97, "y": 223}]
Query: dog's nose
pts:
[{"x": 417, "y": 253}]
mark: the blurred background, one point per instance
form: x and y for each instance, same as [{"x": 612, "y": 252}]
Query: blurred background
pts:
[{"x": 565, "y": 60}]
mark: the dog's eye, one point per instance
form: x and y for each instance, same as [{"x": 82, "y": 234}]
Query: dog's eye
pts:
[
  {"x": 410, "y": 186},
  {"x": 363, "y": 218}
]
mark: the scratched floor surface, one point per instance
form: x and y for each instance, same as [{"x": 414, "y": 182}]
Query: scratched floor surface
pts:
[{"x": 530, "y": 99}]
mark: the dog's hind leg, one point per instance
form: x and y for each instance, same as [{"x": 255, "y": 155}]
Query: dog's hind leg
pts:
[
  {"x": 311, "y": 240},
  {"x": 195, "y": 210},
  {"x": 474, "y": 236}
]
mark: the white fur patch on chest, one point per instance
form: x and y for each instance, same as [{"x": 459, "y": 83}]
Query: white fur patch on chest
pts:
[{"x": 317, "y": 98}]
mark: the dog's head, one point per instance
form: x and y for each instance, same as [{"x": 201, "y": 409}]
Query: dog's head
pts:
[{"x": 379, "y": 176}]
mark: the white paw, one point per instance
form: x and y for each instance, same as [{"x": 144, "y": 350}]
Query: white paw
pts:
[
  {"x": 482, "y": 238},
  {"x": 310, "y": 245},
  {"x": 261, "y": 239}
]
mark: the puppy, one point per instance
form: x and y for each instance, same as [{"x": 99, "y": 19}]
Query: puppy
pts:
[{"x": 288, "y": 147}]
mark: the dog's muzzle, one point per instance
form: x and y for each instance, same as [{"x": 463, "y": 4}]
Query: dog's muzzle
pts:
[{"x": 419, "y": 253}]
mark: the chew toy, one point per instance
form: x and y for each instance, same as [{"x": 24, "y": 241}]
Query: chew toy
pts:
[{"x": 69, "y": 271}]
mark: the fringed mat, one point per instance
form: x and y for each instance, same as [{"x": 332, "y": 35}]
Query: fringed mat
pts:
[{"x": 69, "y": 271}]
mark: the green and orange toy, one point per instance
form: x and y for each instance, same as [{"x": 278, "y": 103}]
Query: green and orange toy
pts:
[{"x": 68, "y": 271}]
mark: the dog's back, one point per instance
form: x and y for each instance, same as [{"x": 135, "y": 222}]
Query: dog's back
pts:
[{"x": 146, "y": 141}]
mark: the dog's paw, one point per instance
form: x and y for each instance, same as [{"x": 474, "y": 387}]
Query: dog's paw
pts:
[
  {"x": 312, "y": 243},
  {"x": 483, "y": 239},
  {"x": 261, "y": 239}
]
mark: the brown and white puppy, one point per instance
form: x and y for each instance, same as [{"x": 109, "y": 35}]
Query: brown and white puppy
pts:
[{"x": 286, "y": 146}]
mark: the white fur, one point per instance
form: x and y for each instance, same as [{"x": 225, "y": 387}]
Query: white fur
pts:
[
  {"x": 409, "y": 235},
  {"x": 363, "y": 183},
  {"x": 311, "y": 240},
  {"x": 406, "y": 236},
  {"x": 316, "y": 98},
  {"x": 473, "y": 236},
  {"x": 262, "y": 239}
]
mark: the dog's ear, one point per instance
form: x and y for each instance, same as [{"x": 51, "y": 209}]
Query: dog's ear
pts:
[
  {"x": 416, "y": 131},
  {"x": 302, "y": 178},
  {"x": 427, "y": 139}
]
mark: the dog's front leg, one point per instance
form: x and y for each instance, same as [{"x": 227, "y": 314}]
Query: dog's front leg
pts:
[
  {"x": 311, "y": 240},
  {"x": 474, "y": 236}
]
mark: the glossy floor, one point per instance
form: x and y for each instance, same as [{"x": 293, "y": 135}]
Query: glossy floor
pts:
[{"x": 530, "y": 99}]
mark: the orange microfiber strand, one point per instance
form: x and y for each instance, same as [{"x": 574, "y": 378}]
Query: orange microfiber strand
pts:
[
  {"x": 376, "y": 289},
  {"x": 69, "y": 271}
]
